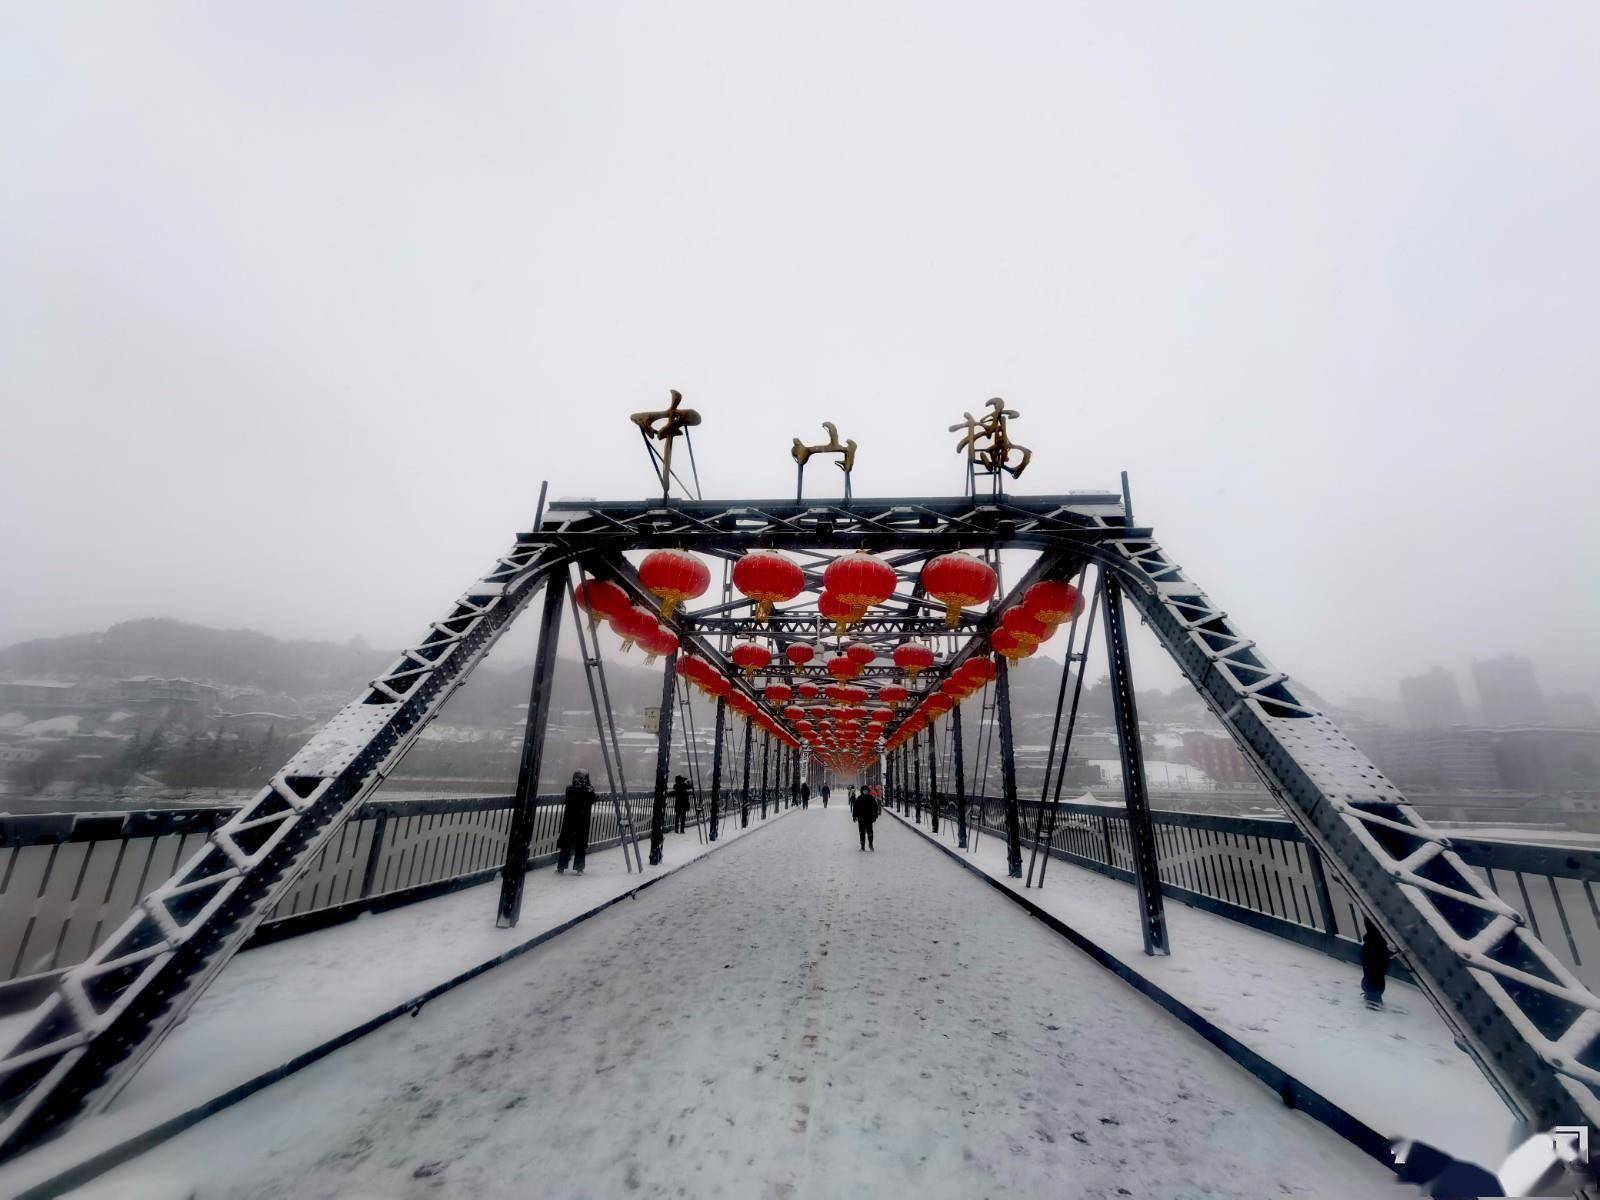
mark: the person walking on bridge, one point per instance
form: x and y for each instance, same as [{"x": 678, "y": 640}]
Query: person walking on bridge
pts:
[
  {"x": 805, "y": 794},
  {"x": 826, "y": 792},
  {"x": 572, "y": 842},
  {"x": 864, "y": 809},
  {"x": 680, "y": 800}
]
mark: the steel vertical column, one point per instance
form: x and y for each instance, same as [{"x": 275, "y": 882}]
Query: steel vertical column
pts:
[
  {"x": 744, "y": 792},
  {"x": 716, "y": 769},
  {"x": 520, "y": 837},
  {"x": 1008, "y": 769},
  {"x": 959, "y": 769},
  {"x": 1141, "y": 832},
  {"x": 658, "y": 806},
  {"x": 794, "y": 776},
  {"x": 916, "y": 779},
  {"x": 766, "y": 771},
  {"x": 933, "y": 781}
]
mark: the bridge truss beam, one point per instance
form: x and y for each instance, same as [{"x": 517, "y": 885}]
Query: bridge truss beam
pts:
[{"x": 1528, "y": 1022}]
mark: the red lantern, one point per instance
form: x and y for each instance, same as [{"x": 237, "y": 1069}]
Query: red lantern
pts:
[
  {"x": 859, "y": 580},
  {"x": 1008, "y": 644},
  {"x": 778, "y": 693},
  {"x": 958, "y": 581},
  {"x": 980, "y": 669},
  {"x": 657, "y": 642},
  {"x": 913, "y": 657},
  {"x": 1053, "y": 601},
  {"x": 767, "y": 578},
  {"x": 956, "y": 687},
  {"x": 673, "y": 576},
  {"x": 634, "y": 624},
  {"x": 793, "y": 712},
  {"x": 859, "y": 653},
  {"x": 843, "y": 667},
  {"x": 750, "y": 657},
  {"x": 1023, "y": 625},
  {"x": 799, "y": 654},
  {"x": 892, "y": 694},
  {"x": 601, "y": 599},
  {"x": 838, "y": 610},
  {"x": 938, "y": 704},
  {"x": 807, "y": 691}
]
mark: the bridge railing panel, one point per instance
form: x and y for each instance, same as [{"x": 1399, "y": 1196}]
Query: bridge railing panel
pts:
[
  {"x": 1261, "y": 871},
  {"x": 65, "y": 879}
]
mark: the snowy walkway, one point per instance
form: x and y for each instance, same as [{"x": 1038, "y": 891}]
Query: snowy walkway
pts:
[
  {"x": 792, "y": 1019},
  {"x": 1298, "y": 1008},
  {"x": 286, "y": 999}
]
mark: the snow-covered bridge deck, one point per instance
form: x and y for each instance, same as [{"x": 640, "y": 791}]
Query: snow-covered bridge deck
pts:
[{"x": 793, "y": 1018}]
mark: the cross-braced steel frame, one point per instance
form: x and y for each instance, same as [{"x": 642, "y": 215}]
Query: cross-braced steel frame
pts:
[{"x": 1529, "y": 1023}]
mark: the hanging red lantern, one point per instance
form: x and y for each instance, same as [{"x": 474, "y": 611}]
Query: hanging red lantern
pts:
[
  {"x": 956, "y": 687},
  {"x": 843, "y": 667},
  {"x": 673, "y": 576},
  {"x": 634, "y": 624},
  {"x": 958, "y": 581},
  {"x": 799, "y": 653},
  {"x": 882, "y": 715},
  {"x": 778, "y": 693},
  {"x": 1009, "y": 645},
  {"x": 836, "y": 609},
  {"x": 601, "y": 599},
  {"x": 938, "y": 704},
  {"x": 1023, "y": 625},
  {"x": 768, "y": 578},
  {"x": 750, "y": 657},
  {"x": 860, "y": 653},
  {"x": 657, "y": 642},
  {"x": 892, "y": 694},
  {"x": 913, "y": 657},
  {"x": 1053, "y": 601},
  {"x": 859, "y": 580},
  {"x": 980, "y": 669},
  {"x": 807, "y": 691},
  {"x": 793, "y": 712}
]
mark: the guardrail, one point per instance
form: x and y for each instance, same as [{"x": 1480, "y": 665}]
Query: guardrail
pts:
[
  {"x": 68, "y": 878},
  {"x": 1262, "y": 872}
]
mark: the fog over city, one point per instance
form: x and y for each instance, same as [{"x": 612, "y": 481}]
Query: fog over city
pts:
[{"x": 300, "y": 303}]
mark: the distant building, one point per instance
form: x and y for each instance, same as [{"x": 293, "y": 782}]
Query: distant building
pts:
[
  {"x": 1217, "y": 757},
  {"x": 1432, "y": 700},
  {"x": 1546, "y": 759},
  {"x": 1508, "y": 691},
  {"x": 1451, "y": 760},
  {"x": 1574, "y": 710}
]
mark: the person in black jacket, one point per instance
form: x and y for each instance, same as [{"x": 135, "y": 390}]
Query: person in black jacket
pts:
[
  {"x": 572, "y": 843},
  {"x": 680, "y": 800},
  {"x": 826, "y": 792},
  {"x": 805, "y": 794},
  {"x": 864, "y": 808}
]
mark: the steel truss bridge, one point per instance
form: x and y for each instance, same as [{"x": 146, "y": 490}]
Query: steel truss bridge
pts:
[{"x": 1526, "y": 1020}]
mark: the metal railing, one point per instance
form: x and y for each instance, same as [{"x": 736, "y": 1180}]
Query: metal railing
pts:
[
  {"x": 1262, "y": 872},
  {"x": 66, "y": 879}
]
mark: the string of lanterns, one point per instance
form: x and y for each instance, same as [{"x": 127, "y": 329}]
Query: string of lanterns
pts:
[{"x": 848, "y": 731}]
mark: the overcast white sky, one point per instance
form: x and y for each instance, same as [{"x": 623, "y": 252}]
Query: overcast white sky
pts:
[{"x": 299, "y": 302}]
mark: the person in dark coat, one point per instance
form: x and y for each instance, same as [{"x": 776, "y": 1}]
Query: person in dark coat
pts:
[
  {"x": 572, "y": 842},
  {"x": 864, "y": 809},
  {"x": 680, "y": 800},
  {"x": 826, "y": 792},
  {"x": 805, "y": 794}
]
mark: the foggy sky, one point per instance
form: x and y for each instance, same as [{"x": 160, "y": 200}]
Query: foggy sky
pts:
[{"x": 299, "y": 302}]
